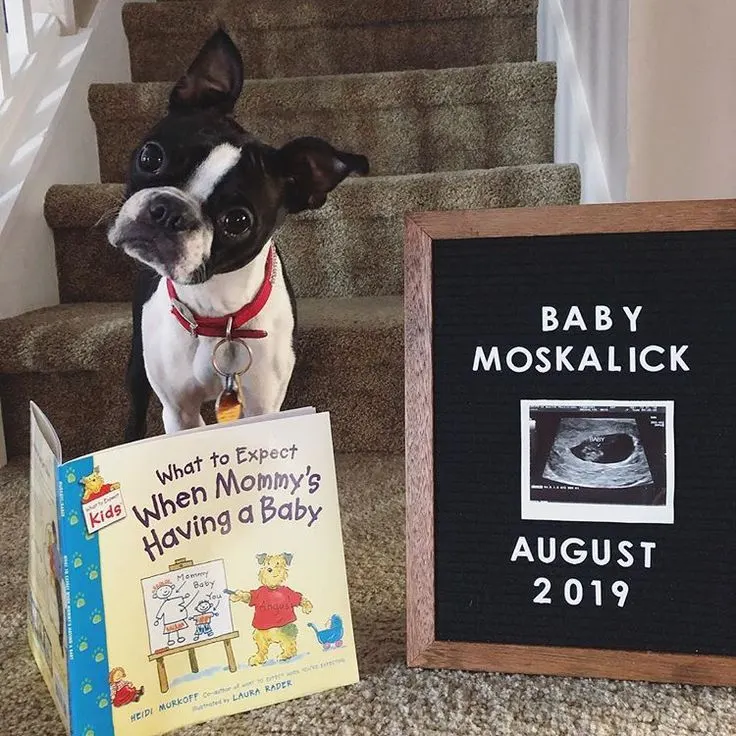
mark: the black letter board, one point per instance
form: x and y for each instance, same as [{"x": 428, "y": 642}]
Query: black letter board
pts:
[{"x": 571, "y": 440}]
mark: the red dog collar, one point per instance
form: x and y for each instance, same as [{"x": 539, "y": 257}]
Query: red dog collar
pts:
[{"x": 230, "y": 325}]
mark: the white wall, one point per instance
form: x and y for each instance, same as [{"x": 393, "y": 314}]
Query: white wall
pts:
[
  {"x": 646, "y": 95},
  {"x": 600, "y": 30},
  {"x": 54, "y": 142},
  {"x": 62, "y": 9},
  {"x": 682, "y": 99},
  {"x": 588, "y": 39}
]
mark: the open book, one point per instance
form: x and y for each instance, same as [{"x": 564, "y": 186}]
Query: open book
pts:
[{"x": 189, "y": 576}]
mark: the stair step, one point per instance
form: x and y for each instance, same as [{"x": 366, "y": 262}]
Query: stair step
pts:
[
  {"x": 405, "y": 122},
  {"x": 353, "y": 246},
  {"x": 70, "y": 359},
  {"x": 332, "y": 38}
]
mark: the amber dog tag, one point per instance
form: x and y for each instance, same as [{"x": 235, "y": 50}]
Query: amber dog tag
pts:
[{"x": 230, "y": 404}]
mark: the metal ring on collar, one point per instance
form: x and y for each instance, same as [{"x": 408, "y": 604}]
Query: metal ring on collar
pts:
[{"x": 226, "y": 341}]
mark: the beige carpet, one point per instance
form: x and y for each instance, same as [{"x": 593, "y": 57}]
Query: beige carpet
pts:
[
  {"x": 405, "y": 122},
  {"x": 390, "y": 700}
]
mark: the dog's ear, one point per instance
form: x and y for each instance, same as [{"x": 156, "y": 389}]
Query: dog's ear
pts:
[
  {"x": 312, "y": 168},
  {"x": 261, "y": 558},
  {"x": 287, "y": 557},
  {"x": 214, "y": 79}
]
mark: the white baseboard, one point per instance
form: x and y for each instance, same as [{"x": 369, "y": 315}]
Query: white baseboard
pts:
[{"x": 575, "y": 135}]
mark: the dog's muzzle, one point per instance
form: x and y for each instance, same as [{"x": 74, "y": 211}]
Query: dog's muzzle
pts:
[
  {"x": 169, "y": 213},
  {"x": 164, "y": 229}
]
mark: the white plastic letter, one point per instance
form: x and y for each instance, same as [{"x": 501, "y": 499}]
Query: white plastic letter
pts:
[{"x": 549, "y": 319}]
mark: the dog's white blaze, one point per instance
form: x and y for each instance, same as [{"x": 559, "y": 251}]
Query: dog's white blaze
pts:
[{"x": 211, "y": 171}]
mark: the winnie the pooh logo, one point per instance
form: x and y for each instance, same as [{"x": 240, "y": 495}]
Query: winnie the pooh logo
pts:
[
  {"x": 95, "y": 486},
  {"x": 102, "y": 503}
]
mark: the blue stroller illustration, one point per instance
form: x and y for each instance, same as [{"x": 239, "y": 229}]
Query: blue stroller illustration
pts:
[{"x": 332, "y": 635}]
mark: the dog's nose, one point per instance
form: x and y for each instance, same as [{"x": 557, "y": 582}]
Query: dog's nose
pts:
[{"x": 170, "y": 213}]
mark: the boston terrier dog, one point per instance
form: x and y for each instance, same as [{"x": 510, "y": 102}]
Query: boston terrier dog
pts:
[{"x": 204, "y": 199}]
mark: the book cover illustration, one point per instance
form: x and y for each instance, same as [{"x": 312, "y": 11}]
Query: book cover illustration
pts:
[{"x": 204, "y": 575}]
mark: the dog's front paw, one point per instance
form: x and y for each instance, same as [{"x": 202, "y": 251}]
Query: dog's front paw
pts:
[
  {"x": 306, "y": 606},
  {"x": 240, "y": 596}
]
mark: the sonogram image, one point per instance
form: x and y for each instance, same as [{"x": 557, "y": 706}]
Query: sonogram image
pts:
[{"x": 598, "y": 453}]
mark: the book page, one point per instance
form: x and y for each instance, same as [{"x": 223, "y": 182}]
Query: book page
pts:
[
  {"x": 46, "y": 588},
  {"x": 218, "y": 580}
]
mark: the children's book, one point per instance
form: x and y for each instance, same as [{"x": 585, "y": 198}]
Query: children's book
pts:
[{"x": 188, "y": 576}]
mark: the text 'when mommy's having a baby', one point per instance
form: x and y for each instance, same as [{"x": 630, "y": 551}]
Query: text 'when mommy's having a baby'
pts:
[
  {"x": 227, "y": 484},
  {"x": 276, "y": 500}
]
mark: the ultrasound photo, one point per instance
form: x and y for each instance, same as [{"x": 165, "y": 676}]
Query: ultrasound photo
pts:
[
  {"x": 597, "y": 461},
  {"x": 591, "y": 452}
]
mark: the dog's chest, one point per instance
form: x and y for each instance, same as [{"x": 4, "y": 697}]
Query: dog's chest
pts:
[{"x": 180, "y": 364}]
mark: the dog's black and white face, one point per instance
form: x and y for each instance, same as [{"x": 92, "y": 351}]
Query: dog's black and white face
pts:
[{"x": 203, "y": 195}]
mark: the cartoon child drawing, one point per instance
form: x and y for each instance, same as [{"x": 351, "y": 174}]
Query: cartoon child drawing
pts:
[
  {"x": 203, "y": 618},
  {"x": 56, "y": 575},
  {"x": 172, "y": 611},
  {"x": 123, "y": 691},
  {"x": 95, "y": 486}
]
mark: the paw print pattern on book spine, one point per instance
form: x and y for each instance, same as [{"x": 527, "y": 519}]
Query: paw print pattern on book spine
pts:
[{"x": 87, "y": 658}]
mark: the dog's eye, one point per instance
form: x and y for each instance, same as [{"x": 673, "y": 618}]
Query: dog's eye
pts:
[
  {"x": 236, "y": 221},
  {"x": 151, "y": 158}
]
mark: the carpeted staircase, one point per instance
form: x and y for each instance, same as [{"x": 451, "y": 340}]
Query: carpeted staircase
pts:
[{"x": 446, "y": 100}]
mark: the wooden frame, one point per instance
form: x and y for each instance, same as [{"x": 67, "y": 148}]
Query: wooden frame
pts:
[{"x": 423, "y": 650}]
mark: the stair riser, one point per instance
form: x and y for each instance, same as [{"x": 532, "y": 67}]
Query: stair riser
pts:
[
  {"x": 406, "y": 141},
  {"x": 328, "y": 50},
  {"x": 333, "y": 382},
  {"x": 413, "y": 122},
  {"x": 353, "y": 247},
  {"x": 80, "y": 251},
  {"x": 366, "y": 261},
  {"x": 267, "y": 15}
]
